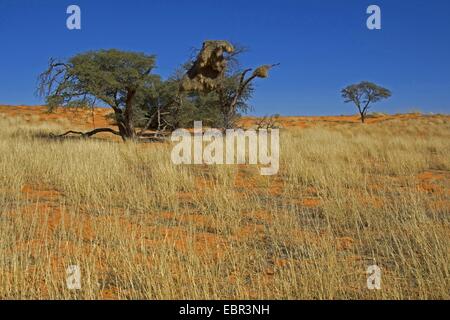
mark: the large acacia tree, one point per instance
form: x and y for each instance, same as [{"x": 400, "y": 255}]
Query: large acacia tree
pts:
[
  {"x": 363, "y": 95},
  {"x": 114, "y": 77}
]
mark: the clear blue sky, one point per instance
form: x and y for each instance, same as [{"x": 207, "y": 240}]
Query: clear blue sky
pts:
[{"x": 322, "y": 45}]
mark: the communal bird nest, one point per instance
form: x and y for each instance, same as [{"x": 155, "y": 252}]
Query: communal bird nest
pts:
[{"x": 209, "y": 66}]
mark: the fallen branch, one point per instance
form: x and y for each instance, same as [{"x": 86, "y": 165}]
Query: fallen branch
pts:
[
  {"x": 89, "y": 133},
  {"x": 144, "y": 137}
]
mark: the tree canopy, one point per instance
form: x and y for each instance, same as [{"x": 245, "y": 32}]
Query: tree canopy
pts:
[
  {"x": 211, "y": 87},
  {"x": 111, "y": 76},
  {"x": 363, "y": 95}
]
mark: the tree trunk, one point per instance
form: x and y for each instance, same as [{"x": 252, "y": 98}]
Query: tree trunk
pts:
[
  {"x": 229, "y": 115},
  {"x": 363, "y": 117},
  {"x": 126, "y": 125},
  {"x": 126, "y": 130},
  {"x": 228, "y": 121}
]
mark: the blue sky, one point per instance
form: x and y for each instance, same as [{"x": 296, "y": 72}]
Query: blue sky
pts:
[{"x": 322, "y": 46}]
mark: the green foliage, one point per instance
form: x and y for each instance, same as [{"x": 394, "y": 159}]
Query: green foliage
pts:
[
  {"x": 106, "y": 75},
  {"x": 180, "y": 109}
]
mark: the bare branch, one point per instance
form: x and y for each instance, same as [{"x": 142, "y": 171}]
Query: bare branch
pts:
[{"x": 89, "y": 133}]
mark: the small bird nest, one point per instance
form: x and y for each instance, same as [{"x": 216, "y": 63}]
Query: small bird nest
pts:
[{"x": 263, "y": 71}]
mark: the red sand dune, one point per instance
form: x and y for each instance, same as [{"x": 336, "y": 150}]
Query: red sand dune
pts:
[{"x": 97, "y": 118}]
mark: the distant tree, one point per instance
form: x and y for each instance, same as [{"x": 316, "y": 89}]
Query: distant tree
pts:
[
  {"x": 117, "y": 78},
  {"x": 363, "y": 95}
]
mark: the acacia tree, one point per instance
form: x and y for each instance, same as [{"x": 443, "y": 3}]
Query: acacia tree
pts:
[
  {"x": 235, "y": 90},
  {"x": 363, "y": 95},
  {"x": 215, "y": 73},
  {"x": 114, "y": 77}
]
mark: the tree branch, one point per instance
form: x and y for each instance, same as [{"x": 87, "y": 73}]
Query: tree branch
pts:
[{"x": 89, "y": 133}]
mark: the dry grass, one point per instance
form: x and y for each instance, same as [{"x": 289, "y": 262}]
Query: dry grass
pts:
[{"x": 347, "y": 196}]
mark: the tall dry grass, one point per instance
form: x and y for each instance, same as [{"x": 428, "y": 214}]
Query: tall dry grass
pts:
[{"x": 346, "y": 197}]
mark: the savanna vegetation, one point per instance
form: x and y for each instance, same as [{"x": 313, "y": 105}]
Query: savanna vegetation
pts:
[
  {"x": 212, "y": 88},
  {"x": 347, "y": 196}
]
